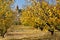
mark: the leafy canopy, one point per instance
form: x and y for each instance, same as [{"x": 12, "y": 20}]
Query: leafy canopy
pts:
[{"x": 41, "y": 15}]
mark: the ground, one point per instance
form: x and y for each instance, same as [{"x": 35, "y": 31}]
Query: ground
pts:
[{"x": 20, "y": 32}]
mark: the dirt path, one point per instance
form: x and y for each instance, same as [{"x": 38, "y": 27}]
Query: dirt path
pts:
[
  {"x": 19, "y": 32},
  {"x": 29, "y": 33}
]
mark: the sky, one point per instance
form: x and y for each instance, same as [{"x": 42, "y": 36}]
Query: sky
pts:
[
  {"x": 51, "y": 1},
  {"x": 20, "y": 3}
]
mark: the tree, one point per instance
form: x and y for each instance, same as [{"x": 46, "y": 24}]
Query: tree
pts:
[
  {"x": 17, "y": 16},
  {"x": 41, "y": 15},
  {"x": 6, "y": 16}
]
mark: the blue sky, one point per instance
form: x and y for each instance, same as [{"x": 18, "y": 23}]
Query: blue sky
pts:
[
  {"x": 20, "y": 3},
  {"x": 52, "y": 1}
]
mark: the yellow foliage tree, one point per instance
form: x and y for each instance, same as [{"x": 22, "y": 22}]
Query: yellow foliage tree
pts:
[
  {"x": 41, "y": 15},
  {"x": 6, "y": 15}
]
